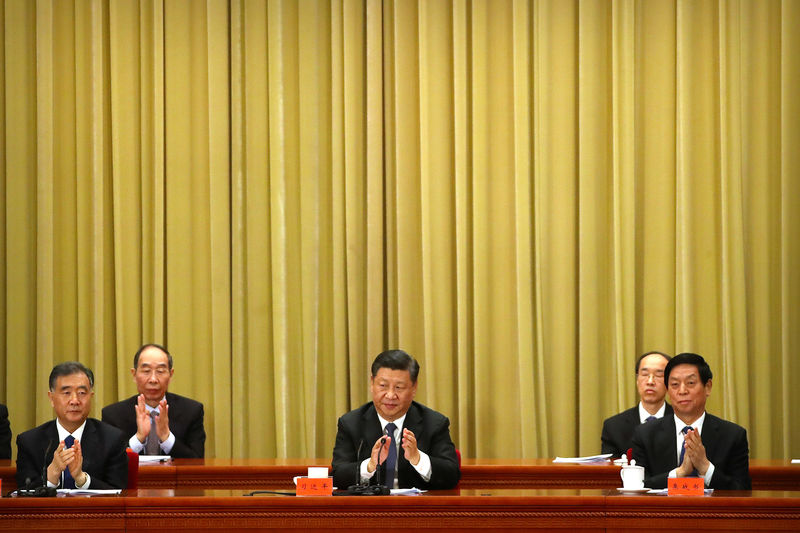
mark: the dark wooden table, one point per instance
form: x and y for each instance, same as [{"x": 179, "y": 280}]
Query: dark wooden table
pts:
[
  {"x": 476, "y": 473},
  {"x": 216, "y": 510}
]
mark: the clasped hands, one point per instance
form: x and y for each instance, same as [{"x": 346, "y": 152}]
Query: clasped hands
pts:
[
  {"x": 694, "y": 457},
  {"x": 67, "y": 458},
  {"x": 143, "y": 420},
  {"x": 408, "y": 442}
]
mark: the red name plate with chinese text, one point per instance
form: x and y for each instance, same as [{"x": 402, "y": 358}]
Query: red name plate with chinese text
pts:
[
  {"x": 685, "y": 486},
  {"x": 314, "y": 486}
]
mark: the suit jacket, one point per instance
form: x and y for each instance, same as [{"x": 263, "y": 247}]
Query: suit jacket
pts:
[
  {"x": 618, "y": 430},
  {"x": 362, "y": 427},
  {"x": 185, "y": 422},
  {"x": 103, "y": 448},
  {"x": 5, "y": 433},
  {"x": 655, "y": 448}
]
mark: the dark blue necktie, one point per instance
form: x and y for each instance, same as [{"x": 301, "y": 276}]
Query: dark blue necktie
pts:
[
  {"x": 391, "y": 457},
  {"x": 69, "y": 483},
  {"x": 650, "y": 418},
  {"x": 685, "y": 430}
]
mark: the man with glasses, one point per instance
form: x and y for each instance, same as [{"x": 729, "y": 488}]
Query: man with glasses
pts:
[
  {"x": 618, "y": 429},
  {"x": 72, "y": 451},
  {"x": 160, "y": 422}
]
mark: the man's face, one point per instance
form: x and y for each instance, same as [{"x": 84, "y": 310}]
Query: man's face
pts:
[
  {"x": 392, "y": 392},
  {"x": 152, "y": 375},
  {"x": 650, "y": 379},
  {"x": 687, "y": 394},
  {"x": 71, "y": 399}
]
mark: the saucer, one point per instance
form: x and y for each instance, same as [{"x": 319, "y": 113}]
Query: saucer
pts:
[{"x": 633, "y": 491}]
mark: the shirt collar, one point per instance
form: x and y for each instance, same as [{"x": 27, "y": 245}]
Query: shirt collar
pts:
[
  {"x": 697, "y": 425},
  {"x": 63, "y": 433},
  {"x": 151, "y": 409},
  {"x": 644, "y": 415},
  {"x": 397, "y": 422}
]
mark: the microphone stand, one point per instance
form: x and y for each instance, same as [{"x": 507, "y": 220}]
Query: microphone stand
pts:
[{"x": 366, "y": 490}]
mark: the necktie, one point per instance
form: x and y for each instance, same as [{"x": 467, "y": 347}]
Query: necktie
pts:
[
  {"x": 69, "y": 483},
  {"x": 391, "y": 457},
  {"x": 152, "y": 446},
  {"x": 650, "y": 418},
  {"x": 685, "y": 430}
]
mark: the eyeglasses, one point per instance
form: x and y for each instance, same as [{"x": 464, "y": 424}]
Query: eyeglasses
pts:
[{"x": 643, "y": 374}]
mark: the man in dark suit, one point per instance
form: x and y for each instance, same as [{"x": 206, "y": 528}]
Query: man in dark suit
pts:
[
  {"x": 5, "y": 433},
  {"x": 618, "y": 429},
  {"x": 72, "y": 451},
  {"x": 158, "y": 421},
  {"x": 416, "y": 451},
  {"x": 692, "y": 442}
]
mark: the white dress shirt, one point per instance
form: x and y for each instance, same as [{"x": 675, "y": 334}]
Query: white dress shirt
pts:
[
  {"x": 697, "y": 426},
  {"x": 644, "y": 415},
  {"x": 138, "y": 446},
  {"x": 77, "y": 434},
  {"x": 423, "y": 467}
]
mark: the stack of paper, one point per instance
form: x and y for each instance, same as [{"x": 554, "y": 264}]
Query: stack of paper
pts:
[{"x": 588, "y": 459}]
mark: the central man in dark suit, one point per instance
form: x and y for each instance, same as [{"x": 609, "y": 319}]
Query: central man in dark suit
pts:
[
  {"x": 72, "y": 451},
  {"x": 618, "y": 429},
  {"x": 417, "y": 450},
  {"x": 159, "y": 422},
  {"x": 692, "y": 442}
]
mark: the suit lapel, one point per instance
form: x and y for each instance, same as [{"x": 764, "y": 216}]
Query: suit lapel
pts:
[
  {"x": 90, "y": 444},
  {"x": 666, "y": 443},
  {"x": 372, "y": 427},
  {"x": 709, "y": 436}
]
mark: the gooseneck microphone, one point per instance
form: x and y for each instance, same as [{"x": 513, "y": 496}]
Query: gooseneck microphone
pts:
[
  {"x": 42, "y": 490},
  {"x": 359, "y": 489}
]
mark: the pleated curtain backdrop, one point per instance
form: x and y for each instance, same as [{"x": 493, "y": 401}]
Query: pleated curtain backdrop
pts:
[{"x": 525, "y": 195}]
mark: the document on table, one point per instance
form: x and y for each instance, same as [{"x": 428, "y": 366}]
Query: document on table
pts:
[
  {"x": 85, "y": 492},
  {"x": 796, "y": 461},
  {"x": 147, "y": 459},
  {"x": 588, "y": 459},
  {"x": 412, "y": 490}
]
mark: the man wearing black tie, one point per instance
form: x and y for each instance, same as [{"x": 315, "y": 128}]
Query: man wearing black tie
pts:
[
  {"x": 72, "y": 451},
  {"x": 409, "y": 441},
  {"x": 692, "y": 442},
  {"x": 618, "y": 429}
]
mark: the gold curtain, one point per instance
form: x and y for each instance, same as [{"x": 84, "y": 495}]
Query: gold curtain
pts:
[{"x": 525, "y": 195}]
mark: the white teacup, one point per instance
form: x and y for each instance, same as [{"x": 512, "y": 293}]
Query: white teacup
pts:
[{"x": 632, "y": 477}]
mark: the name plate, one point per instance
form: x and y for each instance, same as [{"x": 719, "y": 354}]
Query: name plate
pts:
[
  {"x": 314, "y": 486},
  {"x": 685, "y": 486}
]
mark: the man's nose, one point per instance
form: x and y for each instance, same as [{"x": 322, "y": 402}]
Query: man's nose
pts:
[{"x": 651, "y": 378}]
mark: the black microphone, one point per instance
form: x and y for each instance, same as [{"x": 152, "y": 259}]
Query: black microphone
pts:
[
  {"x": 357, "y": 487},
  {"x": 360, "y": 489},
  {"x": 383, "y": 441},
  {"x": 43, "y": 490}
]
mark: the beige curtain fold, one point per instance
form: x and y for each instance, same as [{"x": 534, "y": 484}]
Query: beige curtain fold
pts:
[{"x": 523, "y": 194}]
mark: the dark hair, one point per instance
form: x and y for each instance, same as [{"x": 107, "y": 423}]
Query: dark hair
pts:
[
  {"x": 662, "y": 354},
  {"x": 689, "y": 359},
  {"x": 67, "y": 369},
  {"x": 151, "y": 345},
  {"x": 396, "y": 360}
]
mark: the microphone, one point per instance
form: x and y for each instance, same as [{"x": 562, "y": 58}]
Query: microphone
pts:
[
  {"x": 358, "y": 463},
  {"x": 43, "y": 490},
  {"x": 360, "y": 489}
]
